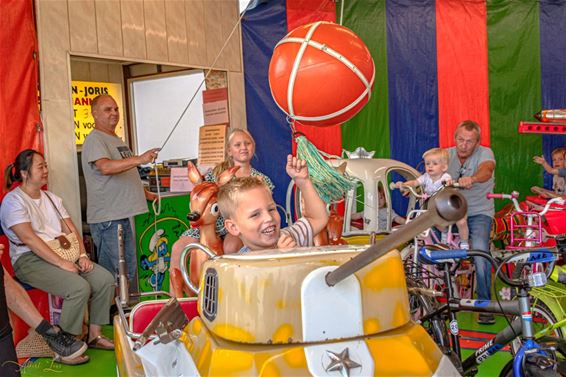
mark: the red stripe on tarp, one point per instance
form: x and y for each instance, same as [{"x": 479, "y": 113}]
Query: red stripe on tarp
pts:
[
  {"x": 461, "y": 40},
  {"x": 19, "y": 111},
  {"x": 301, "y": 12}
]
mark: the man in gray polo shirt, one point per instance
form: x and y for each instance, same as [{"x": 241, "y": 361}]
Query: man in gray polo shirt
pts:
[
  {"x": 114, "y": 188},
  {"x": 472, "y": 166}
]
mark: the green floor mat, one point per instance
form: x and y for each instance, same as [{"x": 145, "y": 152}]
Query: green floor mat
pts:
[{"x": 102, "y": 364}]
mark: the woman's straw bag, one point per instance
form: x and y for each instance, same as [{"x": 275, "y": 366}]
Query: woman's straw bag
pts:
[{"x": 66, "y": 245}]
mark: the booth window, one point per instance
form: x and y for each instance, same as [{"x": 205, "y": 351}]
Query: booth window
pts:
[{"x": 157, "y": 102}]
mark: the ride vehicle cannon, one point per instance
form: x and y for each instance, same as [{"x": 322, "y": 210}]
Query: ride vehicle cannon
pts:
[{"x": 327, "y": 311}]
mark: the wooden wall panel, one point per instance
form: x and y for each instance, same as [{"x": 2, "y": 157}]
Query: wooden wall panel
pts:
[
  {"x": 237, "y": 100},
  {"x": 115, "y": 73},
  {"x": 57, "y": 111},
  {"x": 232, "y": 54},
  {"x": 82, "y": 21},
  {"x": 109, "y": 27},
  {"x": 176, "y": 31},
  {"x": 80, "y": 71},
  {"x": 61, "y": 154},
  {"x": 213, "y": 24},
  {"x": 52, "y": 42},
  {"x": 196, "y": 32},
  {"x": 98, "y": 72},
  {"x": 155, "y": 30},
  {"x": 133, "y": 29}
]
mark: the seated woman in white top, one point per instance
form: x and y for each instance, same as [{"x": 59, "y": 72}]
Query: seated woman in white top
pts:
[{"x": 30, "y": 218}]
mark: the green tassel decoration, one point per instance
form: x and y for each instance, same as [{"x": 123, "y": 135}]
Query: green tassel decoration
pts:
[{"x": 330, "y": 185}]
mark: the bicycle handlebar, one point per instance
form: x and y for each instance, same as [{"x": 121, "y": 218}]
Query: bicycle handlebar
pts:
[
  {"x": 527, "y": 257},
  {"x": 491, "y": 195},
  {"x": 398, "y": 185},
  {"x": 414, "y": 192},
  {"x": 550, "y": 202},
  {"x": 514, "y": 195},
  {"x": 453, "y": 184}
]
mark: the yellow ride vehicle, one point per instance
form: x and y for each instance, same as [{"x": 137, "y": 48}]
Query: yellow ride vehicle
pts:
[{"x": 328, "y": 311}]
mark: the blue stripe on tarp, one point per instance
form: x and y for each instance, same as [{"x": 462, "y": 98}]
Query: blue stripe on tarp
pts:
[
  {"x": 413, "y": 95},
  {"x": 262, "y": 28},
  {"x": 553, "y": 68}
]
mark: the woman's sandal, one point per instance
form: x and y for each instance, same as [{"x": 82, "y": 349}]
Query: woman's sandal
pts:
[
  {"x": 77, "y": 360},
  {"x": 97, "y": 343}
]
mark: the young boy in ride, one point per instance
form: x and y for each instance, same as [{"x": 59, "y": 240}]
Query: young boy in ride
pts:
[
  {"x": 382, "y": 218},
  {"x": 250, "y": 212},
  {"x": 558, "y": 169},
  {"x": 436, "y": 164}
]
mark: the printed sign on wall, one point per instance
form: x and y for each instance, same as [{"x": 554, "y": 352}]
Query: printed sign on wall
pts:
[
  {"x": 83, "y": 92},
  {"x": 212, "y": 144},
  {"x": 155, "y": 237},
  {"x": 215, "y": 106}
]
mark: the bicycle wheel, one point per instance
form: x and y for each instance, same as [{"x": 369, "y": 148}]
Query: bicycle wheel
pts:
[
  {"x": 552, "y": 342},
  {"x": 542, "y": 319},
  {"x": 421, "y": 305}
]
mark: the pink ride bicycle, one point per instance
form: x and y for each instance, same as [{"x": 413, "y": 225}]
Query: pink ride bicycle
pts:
[
  {"x": 462, "y": 274},
  {"x": 528, "y": 225}
]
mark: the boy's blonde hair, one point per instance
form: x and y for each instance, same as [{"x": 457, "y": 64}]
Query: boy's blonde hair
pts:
[
  {"x": 230, "y": 192},
  {"x": 439, "y": 152},
  {"x": 556, "y": 151},
  {"x": 228, "y": 162}
]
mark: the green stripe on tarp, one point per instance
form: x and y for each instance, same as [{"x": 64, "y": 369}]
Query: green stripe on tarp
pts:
[
  {"x": 370, "y": 127},
  {"x": 514, "y": 91}
]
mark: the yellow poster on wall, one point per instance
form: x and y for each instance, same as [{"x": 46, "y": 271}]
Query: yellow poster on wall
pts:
[{"x": 83, "y": 92}]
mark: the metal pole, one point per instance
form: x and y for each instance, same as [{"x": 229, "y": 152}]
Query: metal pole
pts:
[{"x": 122, "y": 270}]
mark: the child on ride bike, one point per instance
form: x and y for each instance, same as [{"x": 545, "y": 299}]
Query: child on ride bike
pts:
[
  {"x": 382, "y": 219},
  {"x": 251, "y": 213},
  {"x": 436, "y": 164},
  {"x": 558, "y": 169}
]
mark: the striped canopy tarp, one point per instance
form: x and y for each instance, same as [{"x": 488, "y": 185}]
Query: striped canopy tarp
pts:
[{"x": 437, "y": 63}]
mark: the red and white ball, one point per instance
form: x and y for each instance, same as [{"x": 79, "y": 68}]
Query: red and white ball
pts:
[{"x": 321, "y": 74}]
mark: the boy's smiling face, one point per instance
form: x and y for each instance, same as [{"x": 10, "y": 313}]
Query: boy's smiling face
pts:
[
  {"x": 255, "y": 220},
  {"x": 558, "y": 160}
]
